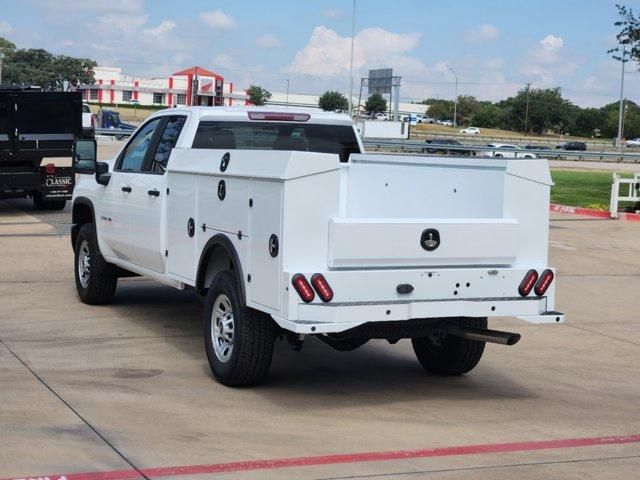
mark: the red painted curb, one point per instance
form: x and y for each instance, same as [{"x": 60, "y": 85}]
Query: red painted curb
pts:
[
  {"x": 344, "y": 458},
  {"x": 588, "y": 212}
]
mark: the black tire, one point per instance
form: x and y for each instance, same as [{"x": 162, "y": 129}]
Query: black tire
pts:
[
  {"x": 343, "y": 344},
  {"x": 253, "y": 333},
  {"x": 99, "y": 287},
  {"x": 450, "y": 355}
]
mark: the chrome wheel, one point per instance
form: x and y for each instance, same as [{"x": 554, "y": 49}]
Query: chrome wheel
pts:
[
  {"x": 84, "y": 264},
  {"x": 222, "y": 327}
]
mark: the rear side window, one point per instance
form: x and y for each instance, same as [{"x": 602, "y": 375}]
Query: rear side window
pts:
[{"x": 337, "y": 139}]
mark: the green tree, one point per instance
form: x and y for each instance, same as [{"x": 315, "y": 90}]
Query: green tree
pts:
[
  {"x": 485, "y": 116},
  {"x": 467, "y": 106},
  {"x": 375, "y": 104},
  {"x": 629, "y": 35},
  {"x": 258, "y": 95},
  {"x": 440, "y": 109},
  {"x": 332, "y": 100},
  {"x": 41, "y": 68}
]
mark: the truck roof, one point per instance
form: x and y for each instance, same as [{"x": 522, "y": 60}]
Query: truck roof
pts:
[{"x": 242, "y": 114}]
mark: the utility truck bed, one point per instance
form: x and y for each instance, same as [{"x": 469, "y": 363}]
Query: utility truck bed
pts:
[{"x": 288, "y": 230}]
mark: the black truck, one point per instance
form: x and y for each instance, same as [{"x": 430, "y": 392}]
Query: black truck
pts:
[{"x": 35, "y": 125}]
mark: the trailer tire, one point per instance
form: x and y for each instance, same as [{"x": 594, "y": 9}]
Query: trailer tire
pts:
[
  {"x": 96, "y": 284},
  {"x": 450, "y": 355},
  {"x": 238, "y": 340}
]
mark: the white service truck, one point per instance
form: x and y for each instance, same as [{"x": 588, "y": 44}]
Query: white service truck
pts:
[{"x": 288, "y": 229}]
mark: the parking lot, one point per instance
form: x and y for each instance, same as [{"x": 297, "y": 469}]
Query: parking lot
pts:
[{"x": 124, "y": 391}]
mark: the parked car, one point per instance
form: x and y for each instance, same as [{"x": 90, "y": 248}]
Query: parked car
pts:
[
  {"x": 426, "y": 119},
  {"x": 441, "y": 146},
  {"x": 287, "y": 229},
  {"x": 581, "y": 146},
  {"x": 446, "y": 123},
  {"x": 470, "y": 131},
  {"x": 537, "y": 147},
  {"x": 633, "y": 143},
  {"x": 88, "y": 122},
  {"x": 507, "y": 150},
  {"x": 381, "y": 116}
]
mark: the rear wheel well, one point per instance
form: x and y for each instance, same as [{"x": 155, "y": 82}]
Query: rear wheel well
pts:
[{"x": 219, "y": 255}]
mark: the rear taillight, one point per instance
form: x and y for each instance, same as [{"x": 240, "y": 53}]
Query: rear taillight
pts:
[
  {"x": 543, "y": 284},
  {"x": 50, "y": 168},
  {"x": 323, "y": 288},
  {"x": 528, "y": 282},
  {"x": 303, "y": 288}
]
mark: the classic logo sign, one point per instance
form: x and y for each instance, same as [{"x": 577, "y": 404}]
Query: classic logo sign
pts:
[{"x": 58, "y": 181}]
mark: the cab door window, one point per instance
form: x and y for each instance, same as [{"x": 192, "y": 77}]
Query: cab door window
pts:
[
  {"x": 166, "y": 143},
  {"x": 134, "y": 154}
]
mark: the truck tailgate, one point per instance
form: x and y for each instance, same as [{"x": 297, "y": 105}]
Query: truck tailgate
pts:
[{"x": 398, "y": 242}]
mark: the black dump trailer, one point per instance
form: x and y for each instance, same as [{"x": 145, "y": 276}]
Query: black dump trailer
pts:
[{"x": 34, "y": 126}]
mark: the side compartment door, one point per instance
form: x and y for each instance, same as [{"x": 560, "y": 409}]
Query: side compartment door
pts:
[{"x": 149, "y": 197}]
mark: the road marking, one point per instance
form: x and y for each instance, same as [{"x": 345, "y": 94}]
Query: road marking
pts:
[{"x": 249, "y": 465}]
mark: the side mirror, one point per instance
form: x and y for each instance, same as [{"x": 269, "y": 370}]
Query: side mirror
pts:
[
  {"x": 102, "y": 173},
  {"x": 84, "y": 155}
]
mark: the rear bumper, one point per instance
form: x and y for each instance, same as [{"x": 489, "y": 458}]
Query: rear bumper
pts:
[
  {"x": 333, "y": 318},
  {"x": 444, "y": 293}
]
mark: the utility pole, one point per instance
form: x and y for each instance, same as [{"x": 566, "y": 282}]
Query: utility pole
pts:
[
  {"x": 621, "y": 113},
  {"x": 287, "y": 102},
  {"x": 526, "y": 114},
  {"x": 1, "y": 59},
  {"x": 455, "y": 102},
  {"x": 353, "y": 32}
]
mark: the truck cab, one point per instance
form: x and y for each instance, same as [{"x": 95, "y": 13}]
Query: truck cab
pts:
[{"x": 287, "y": 228}]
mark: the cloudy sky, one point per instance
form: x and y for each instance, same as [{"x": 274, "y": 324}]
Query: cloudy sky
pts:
[{"x": 495, "y": 47}]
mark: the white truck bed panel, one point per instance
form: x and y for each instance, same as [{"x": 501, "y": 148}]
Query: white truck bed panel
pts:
[{"x": 374, "y": 243}]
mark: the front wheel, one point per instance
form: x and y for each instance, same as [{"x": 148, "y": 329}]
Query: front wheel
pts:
[
  {"x": 96, "y": 280},
  {"x": 238, "y": 340},
  {"x": 443, "y": 354}
]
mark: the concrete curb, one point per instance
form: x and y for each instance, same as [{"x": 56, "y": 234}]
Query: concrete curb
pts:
[{"x": 589, "y": 212}]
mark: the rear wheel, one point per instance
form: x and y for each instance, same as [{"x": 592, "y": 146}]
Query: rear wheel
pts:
[
  {"x": 443, "y": 354},
  {"x": 238, "y": 340},
  {"x": 96, "y": 279}
]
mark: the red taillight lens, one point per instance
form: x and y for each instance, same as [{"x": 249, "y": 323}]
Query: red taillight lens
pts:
[
  {"x": 322, "y": 287},
  {"x": 543, "y": 284},
  {"x": 303, "y": 288},
  {"x": 50, "y": 168},
  {"x": 528, "y": 282}
]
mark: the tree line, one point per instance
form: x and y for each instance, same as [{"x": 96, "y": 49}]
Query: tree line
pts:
[{"x": 37, "y": 67}]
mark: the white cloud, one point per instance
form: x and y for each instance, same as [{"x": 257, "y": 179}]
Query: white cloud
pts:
[
  {"x": 218, "y": 20},
  {"x": 75, "y": 6},
  {"x": 268, "y": 40},
  {"x": 481, "y": 34},
  {"x": 120, "y": 25},
  {"x": 222, "y": 60},
  {"x": 67, "y": 43},
  {"x": 5, "y": 28},
  {"x": 331, "y": 12},
  {"x": 327, "y": 53},
  {"x": 156, "y": 33},
  {"x": 547, "y": 61}
]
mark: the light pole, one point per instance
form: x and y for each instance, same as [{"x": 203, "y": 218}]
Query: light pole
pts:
[
  {"x": 455, "y": 102},
  {"x": 353, "y": 32},
  {"x": 1, "y": 59},
  {"x": 526, "y": 114},
  {"x": 621, "y": 113}
]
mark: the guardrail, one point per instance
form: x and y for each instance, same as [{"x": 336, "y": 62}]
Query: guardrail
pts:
[
  {"x": 113, "y": 132},
  {"x": 411, "y": 146}
]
